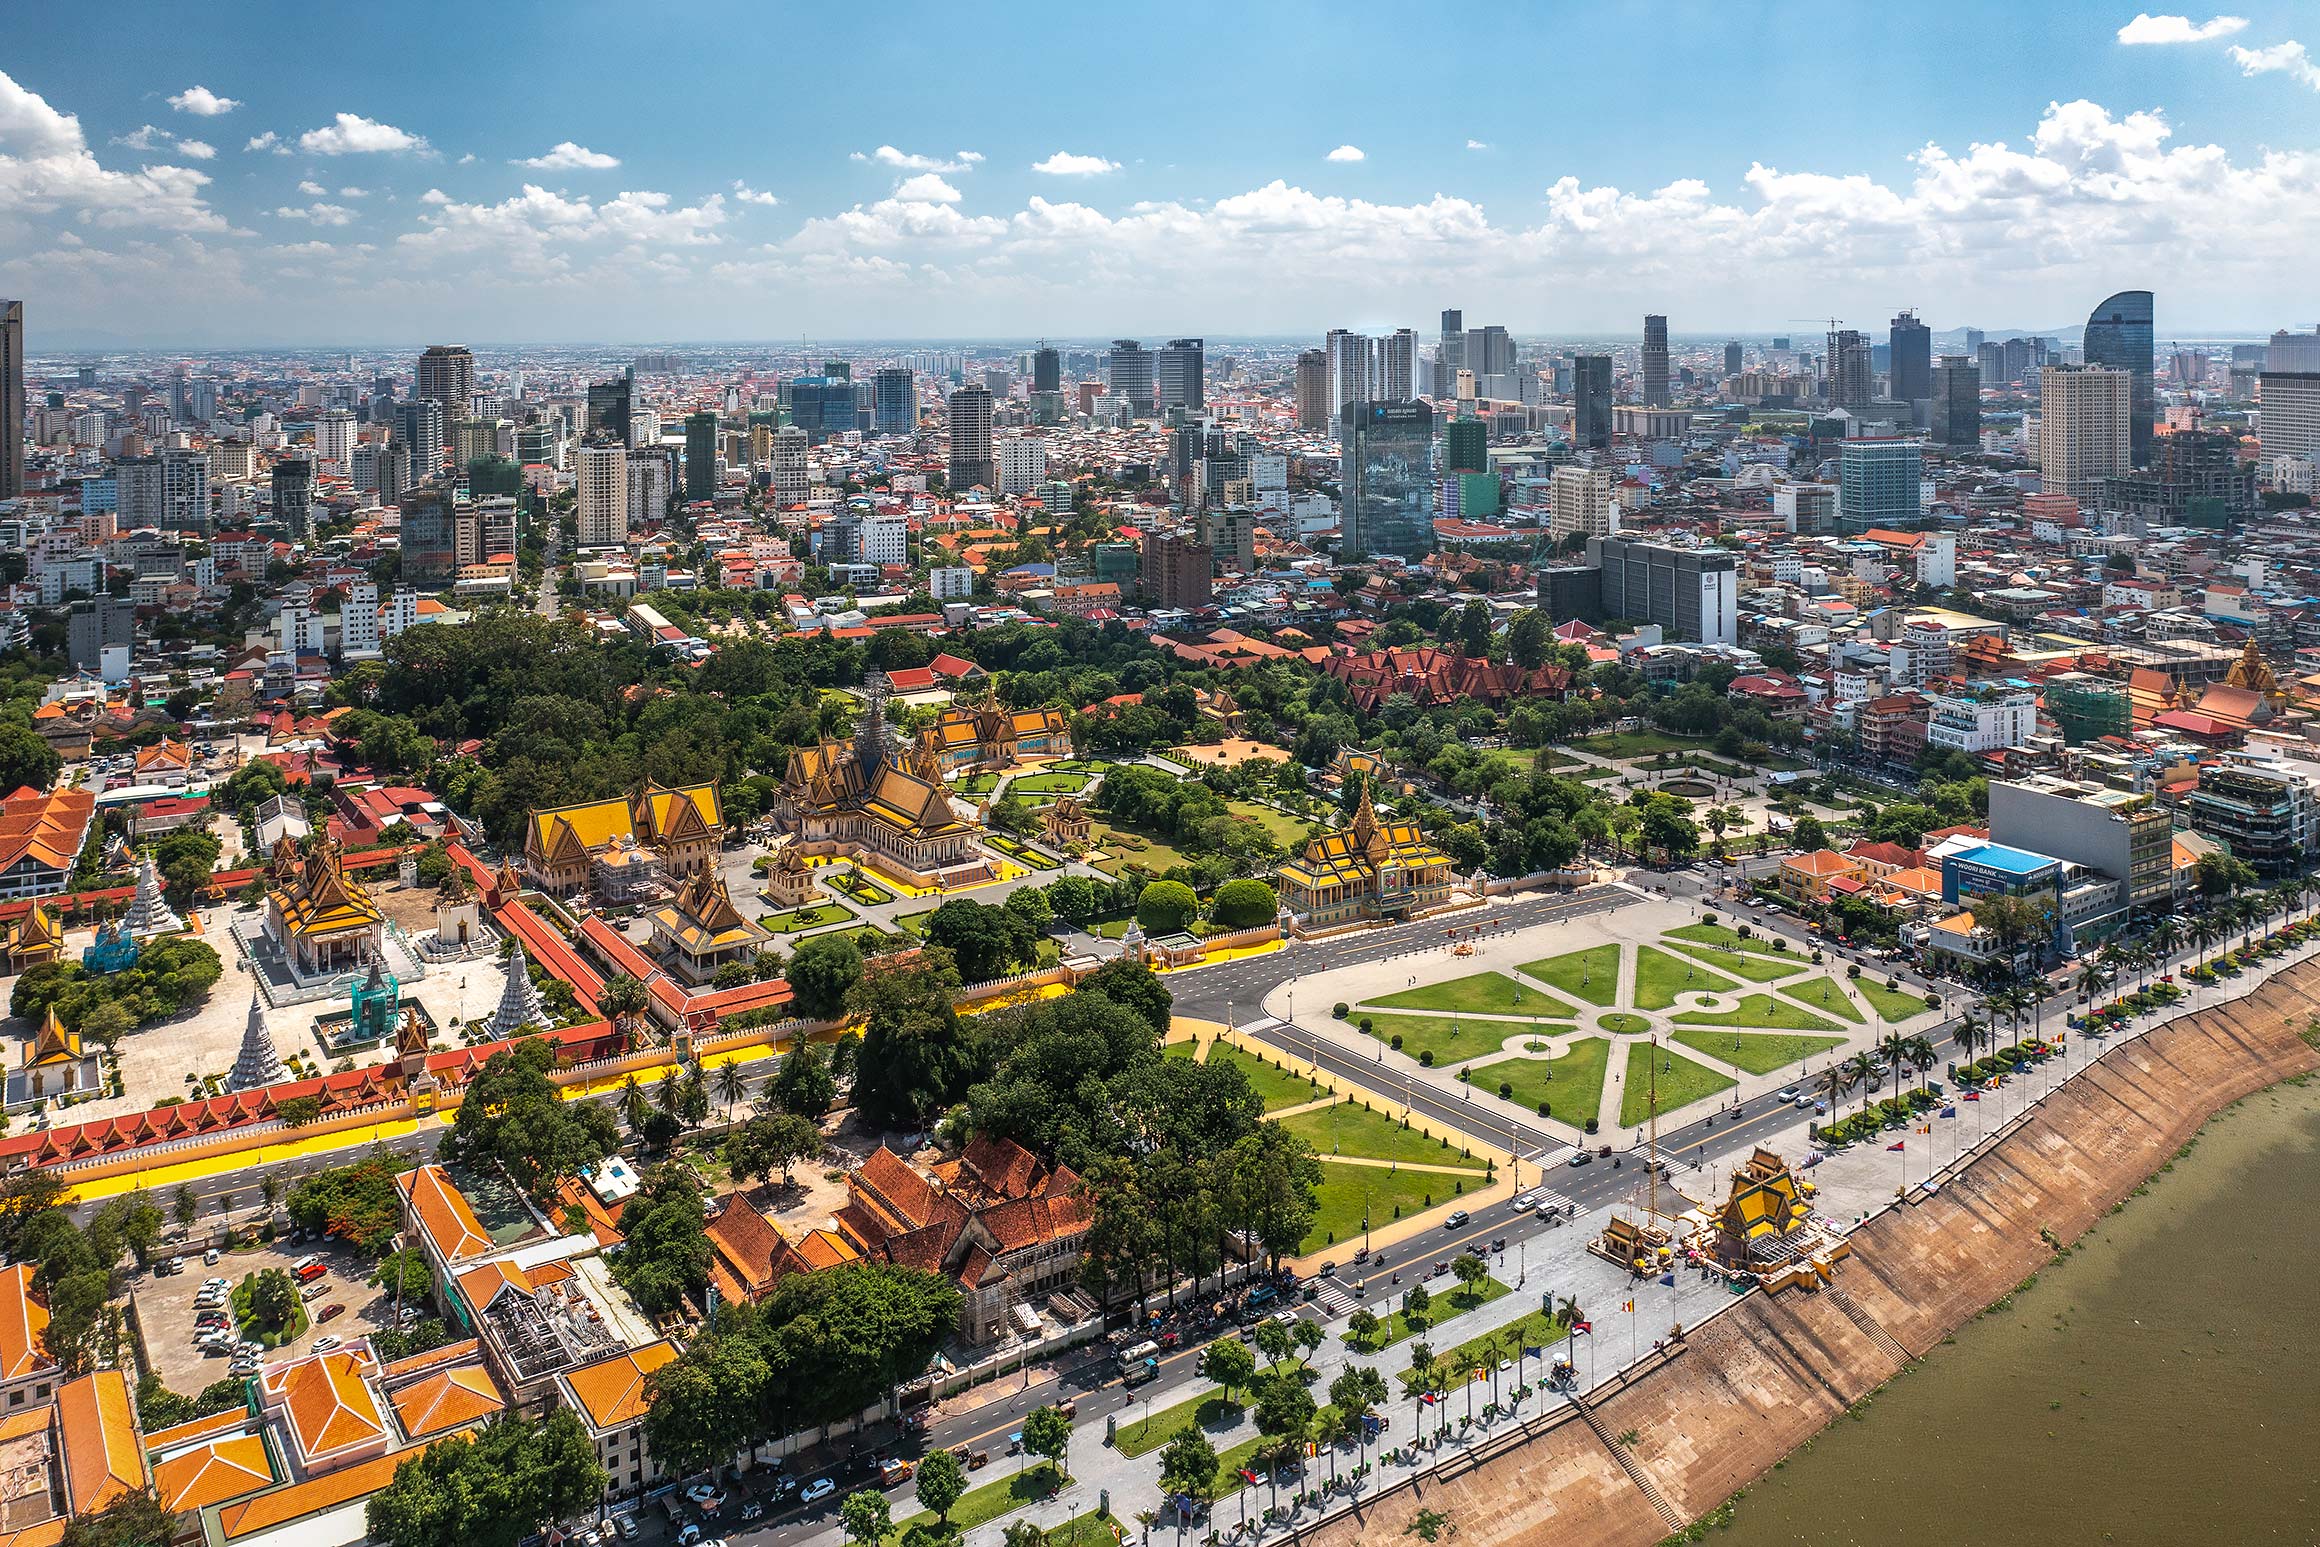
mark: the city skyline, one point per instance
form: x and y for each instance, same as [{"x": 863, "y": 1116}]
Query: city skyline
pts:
[{"x": 201, "y": 196}]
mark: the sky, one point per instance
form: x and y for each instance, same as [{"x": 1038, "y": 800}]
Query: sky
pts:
[{"x": 583, "y": 171}]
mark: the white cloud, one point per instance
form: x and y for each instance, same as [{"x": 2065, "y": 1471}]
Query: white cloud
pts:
[
  {"x": 434, "y": 196},
  {"x": 568, "y": 157},
  {"x": 46, "y": 167},
  {"x": 2289, "y": 58},
  {"x": 926, "y": 188},
  {"x": 887, "y": 155},
  {"x": 354, "y": 193},
  {"x": 748, "y": 195},
  {"x": 146, "y": 138},
  {"x": 199, "y": 150},
  {"x": 1477, "y": 145},
  {"x": 2178, "y": 29},
  {"x": 1346, "y": 153},
  {"x": 351, "y": 134},
  {"x": 202, "y": 102},
  {"x": 268, "y": 141},
  {"x": 535, "y": 231},
  {"x": 312, "y": 189},
  {"x": 319, "y": 214},
  {"x": 1065, "y": 164}
]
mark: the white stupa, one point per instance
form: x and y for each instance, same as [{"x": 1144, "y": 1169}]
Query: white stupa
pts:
[
  {"x": 520, "y": 1007},
  {"x": 151, "y": 914},
  {"x": 257, "y": 1064}
]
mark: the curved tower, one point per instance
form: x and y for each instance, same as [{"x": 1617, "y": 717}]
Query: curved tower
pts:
[{"x": 2118, "y": 334}]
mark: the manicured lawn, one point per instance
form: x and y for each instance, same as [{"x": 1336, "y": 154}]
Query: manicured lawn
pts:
[
  {"x": 1019, "y": 852},
  {"x": 979, "y": 1505},
  {"x": 1572, "y": 1084},
  {"x": 1824, "y": 996},
  {"x": 1636, "y": 744},
  {"x": 1348, "y": 1129},
  {"x": 1681, "y": 1082},
  {"x": 1755, "y": 1051},
  {"x": 1209, "y": 1410},
  {"x": 1659, "y": 977},
  {"x": 1277, "y": 1087},
  {"x": 1755, "y": 966},
  {"x": 1086, "y": 1529},
  {"x": 1122, "y": 846},
  {"x": 914, "y": 923},
  {"x": 1592, "y": 974},
  {"x": 861, "y": 888},
  {"x": 977, "y": 784},
  {"x": 1894, "y": 1004},
  {"x": 1536, "y": 1330},
  {"x": 1346, "y": 1191},
  {"x": 1392, "y": 1329},
  {"x": 804, "y": 918},
  {"x": 1048, "y": 784},
  {"x": 1623, "y": 1023},
  {"x": 1721, "y": 936},
  {"x": 1762, "y": 1011},
  {"x": 1449, "y": 1039},
  {"x": 1287, "y": 831},
  {"x": 1484, "y": 993}
]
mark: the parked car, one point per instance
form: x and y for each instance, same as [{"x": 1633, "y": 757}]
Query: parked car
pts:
[
  {"x": 329, "y": 1311},
  {"x": 323, "y": 1345},
  {"x": 314, "y": 1291},
  {"x": 210, "y": 1257},
  {"x": 626, "y": 1526},
  {"x": 309, "y": 1273}
]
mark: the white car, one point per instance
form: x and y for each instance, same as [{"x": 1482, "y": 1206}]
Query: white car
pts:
[
  {"x": 323, "y": 1345},
  {"x": 1790, "y": 1094}
]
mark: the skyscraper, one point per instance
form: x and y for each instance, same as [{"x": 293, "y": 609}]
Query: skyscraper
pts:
[
  {"x": 1655, "y": 361},
  {"x": 1046, "y": 370},
  {"x": 608, "y": 407},
  {"x": 1397, "y": 367},
  {"x": 1490, "y": 356},
  {"x": 446, "y": 373},
  {"x": 1352, "y": 363},
  {"x": 2118, "y": 334},
  {"x": 1849, "y": 375},
  {"x": 1388, "y": 479},
  {"x": 1734, "y": 357},
  {"x": 1465, "y": 446},
  {"x": 789, "y": 465},
  {"x": 970, "y": 421},
  {"x": 1450, "y": 357},
  {"x": 603, "y": 494},
  {"x": 1591, "y": 402},
  {"x": 1957, "y": 402},
  {"x": 11, "y": 399},
  {"x": 894, "y": 400},
  {"x": 1879, "y": 482},
  {"x": 1690, "y": 592},
  {"x": 2085, "y": 427},
  {"x": 1912, "y": 369},
  {"x": 2291, "y": 413},
  {"x": 1128, "y": 370},
  {"x": 419, "y": 425},
  {"x": 1313, "y": 409},
  {"x": 701, "y": 455},
  {"x": 293, "y": 489},
  {"x": 1178, "y": 373}
]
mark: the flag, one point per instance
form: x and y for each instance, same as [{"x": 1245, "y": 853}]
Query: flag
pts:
[
  {"x": 1248, "y": 1476},
  {"x": 1479, "y": 1372},
  {"x": 1972, "y": 1095},
  {"x": 1578, "y": 1327},
  {"x": 1667, "y": 1281},
  {"x": 1533, "y": 1353},
  {"x": 1629, "y": 1307},
  {"x": 1927, "y": 1128},
  {"x": 1428, "y": 1399},
  {"x": 1896, "y": 1144},
  {"x": 1952, "y": 1111}
]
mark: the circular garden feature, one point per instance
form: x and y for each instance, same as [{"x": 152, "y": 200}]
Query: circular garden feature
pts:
[
  {"x": 1689, "y": 789},
  {"x": 1620, "y": 1023}
]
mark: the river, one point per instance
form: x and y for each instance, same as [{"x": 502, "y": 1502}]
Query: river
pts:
[{"x": 2159, "y": 1384}]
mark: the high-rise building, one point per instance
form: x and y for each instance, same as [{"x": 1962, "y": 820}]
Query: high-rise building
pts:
[
  {"x": 701, "y": 454},
  {"x": 446, "y": 373},
  {"x": 168, "y": 491},
  {"x": 2118, "y": 335},
  {"x": 2085, "y": 428},
  {"x": 1972, "y": 338},
  {"x": 2291, "y": 413},
  {"x": 1313, "y": 414},
  {"x": 473, "y": 438},
  {"x": 1128, "y": 371},
  {"x": 1879, "y": 482},
  {"x": 651, "y": 483},
  {"x": 789, "y": 465},
  {"x": 1046, "y": 369},
  {"x": 419, "y": 425},
  {"x": 1022, "y": 463},
  {"x": 1655, "y": 361},
  {"x": 11, "y": 399},
  {"x": 602, "y": 469},
  {"x": 1912, "y": 368},
  {"x": 1465, "y": 446},
  {"x": 1691, "y": 593},
  {"x": 1849, "y": 374},
  {"x": 430, "y": 537},
  {"x": 608, "y": 407},
  {"x": 1352, "y": 369},
  {"x": 1579, "y": 503},
  {"x": 1397, "y": 366},
  {"x": 334, "y": 432},
  {"x": 2287, "y": 351},
  {"x": 97, "y": 624},
  {"x": 1387, "y": 483},
  {"x": 1176, "y": 572},
  {"x": 1450, "y": 357},
  {"x": 1179, "y": 373},
  {"x": 1734, "y": 358},
  {"x": 2196, "y": 478},
  {"x": 1490, "y": 355},
  {"x": 894, "y": 400},
  {"x": 823, "y": 405},
  {"x": 1591, "y": 402},
  {"x": 293, "y": 489},
  {"x": 970, "y": 424},
  {"x": 1957, "y": 402}
]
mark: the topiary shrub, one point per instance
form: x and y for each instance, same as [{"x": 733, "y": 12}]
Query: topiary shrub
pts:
[
  {"x": 1933, "y": 1001},
  {"x": 1590, "y": 1125},
  {"x": 1546, "y": 1109},
  {"x": 1506, "y": 1090},
  {"x": 1397, "y": 1042},
  {"x": 1338, "y": 1010},
  {"x": 1708, "y": 919},
  {"x": 1746, "y": 931},
  {"x": 1426, "y": 1058},
  {"x": 1852, "y": 969},
  {"x": 1367, "y": 1025},
  {"x": 1780, "y": 942}
]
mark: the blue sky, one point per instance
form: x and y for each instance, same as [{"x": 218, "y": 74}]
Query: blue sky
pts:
[{"x": 358, "y": 173}]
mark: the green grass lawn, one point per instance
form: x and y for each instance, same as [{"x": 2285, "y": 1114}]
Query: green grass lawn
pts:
[
  {"x": 798, "y": 919},
  {"x": 1484, "y": 993},
  {"x": 1535, "y": 1330},
  {"x": 1824, "y": 996},
  {"x": 1894, "y": 1004},
  {"x": 1572, "y": 1084},
  {"x": 1122, "y": 846},
  {"x": 1637, "y": 744},
  {"x": 1278, "y": 1088},
  {"x": 1022, "y": 854},
  {"x": 1659, "y": 977},
  {"x": 1761, "y": 1011},
  {"x": 1755, "y": 1051},
  {"x": 1681, "y": 1082},
  {"x": 980, "y": 1505},
  {"x": 1087, "y": 1529},
  {"x": 854, "y": 884},
  {"x": 1348, "y": 1129},
  {"x": 1287, "y": 831},
  {"x": 1448, "y": 1039},
  {"x": 1345, "y": 1191},
  {"x": 977, "y": 784},
  {"x": 1755, "y": 962},
  {"x": 1392, "y": 1329},
  {"x": 1623, "y": 1023},
  {"x": 1592, "y": 974},
  {"x": 1209, "y": 1410},
  {"x": 1048, "y": 784},
  {"x": 914, "y": 923},
  {"x": 1721, "y": 936}
]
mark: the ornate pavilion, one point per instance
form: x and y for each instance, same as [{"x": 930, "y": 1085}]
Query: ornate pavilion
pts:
[
  {"x": 860, "y": 800},
  {"x": 1370, "y": 870}
]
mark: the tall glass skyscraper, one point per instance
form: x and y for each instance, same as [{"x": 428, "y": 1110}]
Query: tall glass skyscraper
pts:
[
  {"x": 1912, "y": 359},
  {"x": 2118, "y": 334},
  {"x": 1388, "y": 451},
  {"x": 894, "y": 400}
]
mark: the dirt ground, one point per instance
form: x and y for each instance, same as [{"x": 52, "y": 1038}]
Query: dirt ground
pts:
[
  {"x": 1227, "y": 754},
  {"x": 165, "y": 1306}
]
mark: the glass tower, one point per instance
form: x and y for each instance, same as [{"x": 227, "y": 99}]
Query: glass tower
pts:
[
  {"x": 2118, "y": 334},
  {"x": 1388, "y": 479}
]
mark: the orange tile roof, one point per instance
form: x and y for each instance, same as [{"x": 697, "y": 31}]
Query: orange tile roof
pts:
[
  {"x": 613, "y": 1390},
  {"x": 328, "y": 1404},
  {"x": 452, "y": 1399},
  {"x": 102, "y": 1459},
  {"x": 267, "y": 1510},
  {"x": 1822, "y": 862},
  {"x": 23, "y": 1326},
  {"x": 214, "y": 1472},
  {"x": 50, "y": 828},
  {"x": 186, "y": 1433},
  {"x": 443, "y": 1213}
]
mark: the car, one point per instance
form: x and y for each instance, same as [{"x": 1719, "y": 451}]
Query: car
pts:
[
  {"x": 689, "y": 1535},
  {"x": 1441, "y": 1266},
  {"x": 1790, "y": 1094},
  {"x": 213, "y": 1281},
  {"x": 323, "y": 1345},
  {"x": 1499, "y": 1245},
  {"x": 1361, "y": 1289},
  {"x": 1523, "y": 1201},
  {"x": 893, "y": 1470},
  {"x": 303, "y": 1263},
  {"x": 783, "y": 1487},
  {"x": 1581, "y": 1159},
  {"x": 313, "y": 1291},
  {"x": 310, "y": 1273},
  {"x": 214, "y": 1350},
  {"x": 210, "y": 1257},
  {"x": 626, "y": 1526},
  {"x": 1456, "y": 1221},
  {"x": 817, "y": 1490},
  {"x": 1807, "y": 1100},
  {"x": 329, "y": 1311},
  {"x": 1329, "y": 1270},
  {"x": 753, "y": 1510}
]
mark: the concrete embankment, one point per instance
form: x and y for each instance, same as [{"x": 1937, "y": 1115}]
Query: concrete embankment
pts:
[{"x": 1759, "y": 1380}]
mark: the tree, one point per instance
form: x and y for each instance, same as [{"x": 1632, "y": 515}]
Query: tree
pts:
[
  {"x": 1527, "y": 639},
  {"x": 273, "y": 1299},
  {"x": 804, "y": 1085},
  {"x": 1274, "y": 1341},
  {"x": 1047, "y": 1435},
  {"x": 512, "y": 1116},
  {"x": 1133, "y": 986},
  {"x": 987, "y": 943},
  {"x": 26, "y": 758},
  {"x": 1470, "y": 1271},
  {"x": 184, "y": 1205},
  {"x": 622, "y": 1000},
  {"x": 1475, "y": 628},
  {"x": 1284, "y": 1408},
  {"x": 732, "y": 1084},
  {"x": 666, "y": 1259},
  {"x": 1167, "y": 908},
  {"x": 941, "y": 1479},
  {"x": 136, "y": 1519},
  {"x": 1809, "y": 835},
  {"x": 1188, "y": 1465},
  {"x": 1072, "y": 899},
  {"x": 1362, "y": 1326},
  {"x": 492, "y": 1489},
  {"x": 915, "y": 1058},
  {"x": 1229, "y": 1363},
  {"x": 1244, "y": 904},
  {"x": 1030, "y": 904},
  {"x": 107, "y": 1023},
  {"x": 1417, "y": 1307},
  {"x": 865, "y": 1517},
  {"x": 822, "y": 973},
  {"x": 764, "y": 1145}
]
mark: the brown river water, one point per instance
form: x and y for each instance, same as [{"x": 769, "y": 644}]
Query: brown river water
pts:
[{"x": 2160, "y": 1384}]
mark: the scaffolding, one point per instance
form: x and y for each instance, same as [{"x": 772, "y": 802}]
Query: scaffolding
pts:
[{"x": 2087, "y": 707}]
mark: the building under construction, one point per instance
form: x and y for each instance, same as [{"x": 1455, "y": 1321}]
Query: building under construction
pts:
[{"x": 2088, "y": 707}]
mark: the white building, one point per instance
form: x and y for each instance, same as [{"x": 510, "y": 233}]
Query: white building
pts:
[
  {"x": 358, "y": 623},
  {"x": 334, "y": 439},
  {"x": 790, "y": 472},
  {"x": 1579, "y": 503},
  {"x": 1022, "y": 463},
  {"x": 649, "y": 486},
  {"x": 950, "y": 583},
  {"x": 884, "y": 538},
  {"x": 603, "y": 496},
  {"x": 1983, "y": 722}
]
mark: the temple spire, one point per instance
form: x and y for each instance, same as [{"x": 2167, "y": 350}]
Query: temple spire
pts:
[
  {"x": 520, "y": 1007},
  {"x": 150, "y": 914},
  {"x": 870, "y": 742},
  {"x": 257, "y": 1065}
]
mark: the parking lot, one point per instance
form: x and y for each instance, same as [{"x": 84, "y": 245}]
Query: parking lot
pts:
[{"x": 165, "y": 1306}]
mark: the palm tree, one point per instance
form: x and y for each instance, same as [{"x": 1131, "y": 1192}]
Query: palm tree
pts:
[
  {"x": 1972, "y": 1032},
  {"x": 633, "y": 1105},
  {"x": 1921, "y": 1055},
  {"x": 732, "y": 1084},
  {"x": 2167, "y": 939},
  {"x": 1860, "y": 1070},
  {"x": 622, "y": 999},
  {"x": 1839, "y": 1080},
  {"x": 2091, "y": 979}
]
